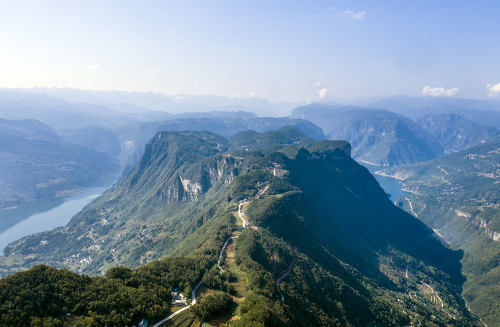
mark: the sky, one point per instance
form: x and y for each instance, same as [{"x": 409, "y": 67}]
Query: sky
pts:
[{"x": 279, "y": 50}]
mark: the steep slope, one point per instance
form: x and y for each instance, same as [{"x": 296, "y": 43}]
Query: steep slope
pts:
[
  {"x": 314, "y": 239},
  {"x": 35, "y": 164},
  {"x": 143, "y": 215},
  {"x": 458, "y": 196},
  {"x": 455, "y": 133},
  {"x": 378, "y": 137},
  {"x": 170, "y": 177}
]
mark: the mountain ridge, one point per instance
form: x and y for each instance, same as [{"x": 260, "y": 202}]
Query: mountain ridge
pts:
[{"x": 311, "y": 211}]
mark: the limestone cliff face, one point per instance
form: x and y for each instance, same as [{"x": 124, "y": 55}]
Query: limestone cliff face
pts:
[
  {"x": 192, "y": 184},
  {"x": 480, "y": 222},
  {"x": 179, "y": 167}
]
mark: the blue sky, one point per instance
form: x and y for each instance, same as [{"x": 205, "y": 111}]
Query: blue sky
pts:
[{"x": 280, "y": 50}]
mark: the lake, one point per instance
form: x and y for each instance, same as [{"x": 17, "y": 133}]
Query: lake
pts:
[{"x": 52, "y": 217}]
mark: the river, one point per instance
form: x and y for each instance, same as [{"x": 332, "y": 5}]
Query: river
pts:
[
  {"x": 50, "y": 215},
  {"x": 49, "y": 218},
  {"x": 391, "y": 186}
]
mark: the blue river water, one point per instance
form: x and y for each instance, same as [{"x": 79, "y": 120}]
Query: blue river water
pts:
[
  {"x": 391, "y": 186},
  {"x": 49, "y": 216}
]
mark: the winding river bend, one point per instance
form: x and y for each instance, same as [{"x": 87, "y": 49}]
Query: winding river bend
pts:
[{"x": 49, "y": 218}]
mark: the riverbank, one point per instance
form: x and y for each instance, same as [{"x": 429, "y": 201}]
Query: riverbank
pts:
[
  {"x": 390, "y": 184},
  {"x": 48, "y": 214}
]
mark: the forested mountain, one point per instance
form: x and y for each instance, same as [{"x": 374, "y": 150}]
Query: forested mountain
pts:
[
  {"x": 313, "y": 241},
  {"x": 377, "y": 136},
  {"x": 458, "y": 196},
  {"x": 36, "y": 163},
  {"x": 133, "y": 138},
  {"x": 455, "y": 133}
]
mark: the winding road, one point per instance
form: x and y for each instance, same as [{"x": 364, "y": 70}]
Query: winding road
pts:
[
  {"x": 222, "y": 252},
  {"x": 411, "y": 207},
  {"x": 259, "y": 194},
  {"x": 193, "y": 293},
  {"x": 193, "y": 302},
  {"x": 241, "y": 216},
  {"x": 435, "y": 293},
  {"x": 285, "y": 273},
  {"x": 445, "y": 174}
]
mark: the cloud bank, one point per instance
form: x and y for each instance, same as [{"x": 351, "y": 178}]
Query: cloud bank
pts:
[{"x": 439, "y": 91}]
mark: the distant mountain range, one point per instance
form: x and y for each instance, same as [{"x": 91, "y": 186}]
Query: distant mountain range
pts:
[
  {"x": 146, "y": 103},
  {"x": 458, "y": 196},
  {"x": 35, "y": 163},
  {"x": 313, "y": 241},
  {"x": 483, "y": 112},
  {"x": 59, "y": 114},
  {"x": 92, "y": 119},
  {"x": 378, "y": 137},
  {"x": 455, "y": 133}
]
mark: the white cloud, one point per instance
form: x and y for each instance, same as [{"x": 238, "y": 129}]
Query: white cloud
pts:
[
  {"x": 320, "y": 88},
  {"x": 252, "y": 94},
  {"x": 322, "y": 92},
  {"x": 354, "y": 15},
  {"x": 493, "y": 89},
  {"x": 92, "y": 67},
  {"x": 439, "y": 91}
]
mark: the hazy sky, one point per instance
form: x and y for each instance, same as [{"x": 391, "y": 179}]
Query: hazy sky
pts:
[{"x": 281, "y": 50}]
